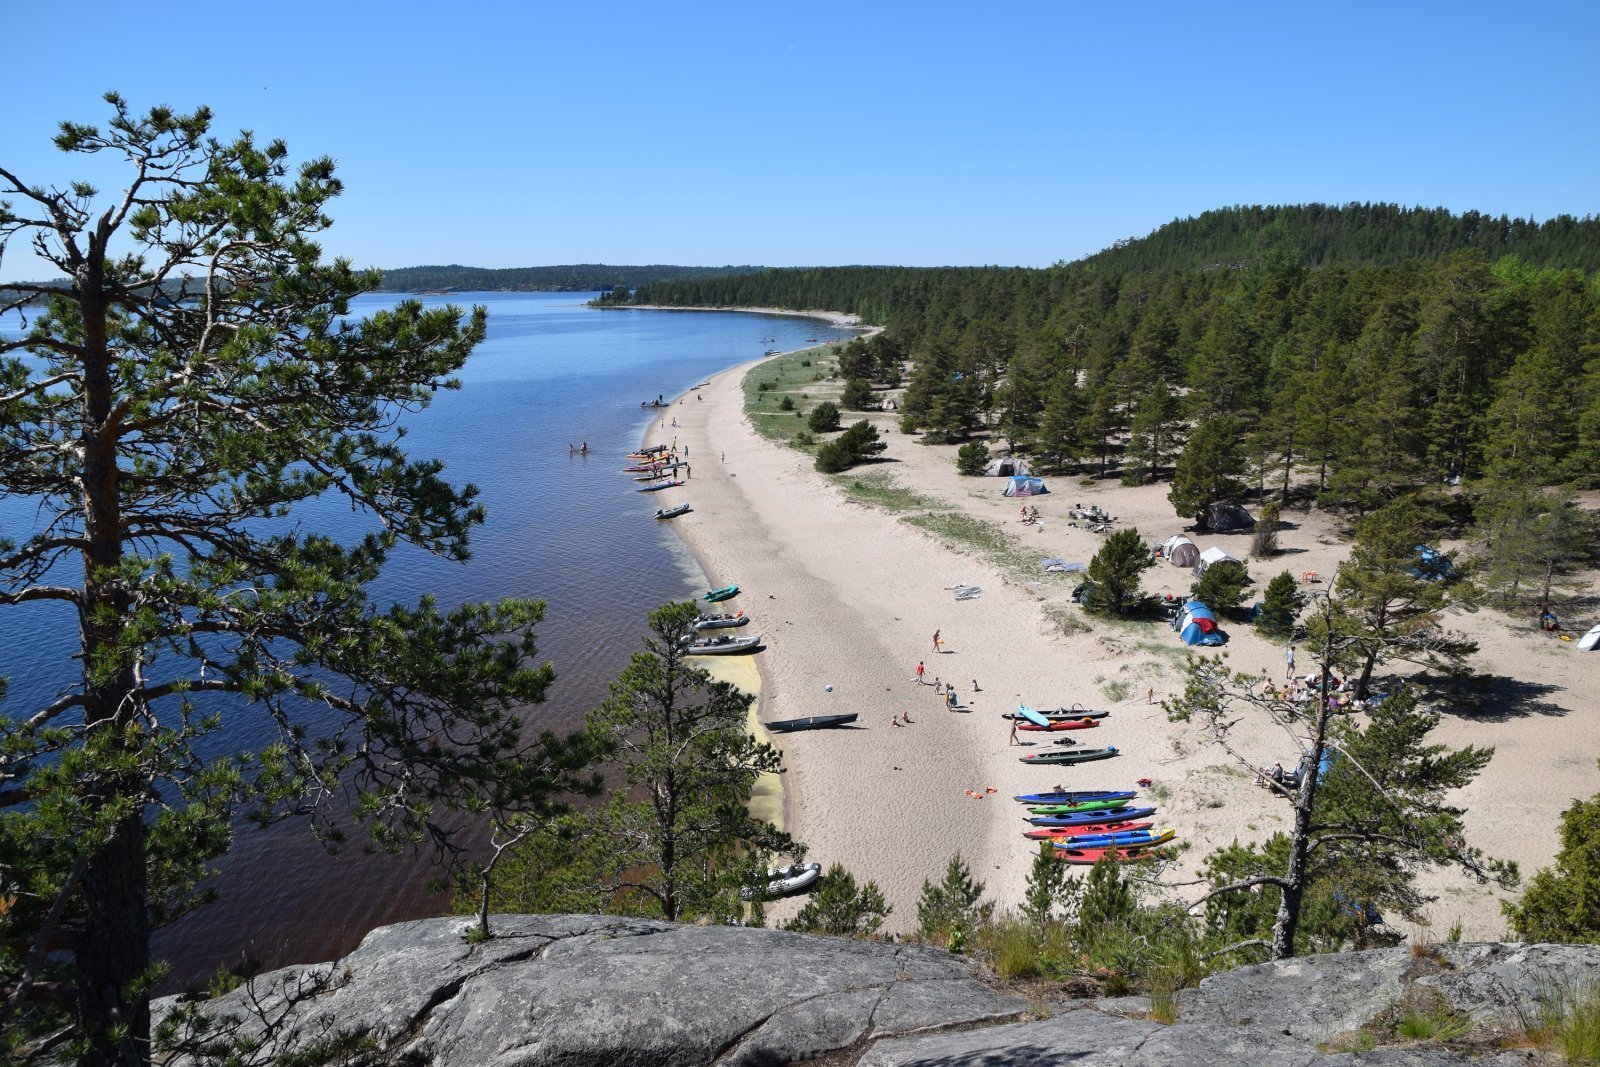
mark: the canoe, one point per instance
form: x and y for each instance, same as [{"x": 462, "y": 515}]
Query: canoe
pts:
[
  {"x": 723, "y": 645},
  {"x": 657, "y": 487},
  {"x": 672, "y": 513},
  {"x": 1092, "y": 818},
  {"x": 1124, "y": 839},
  {"x": 1077, "y": 711},
  {"x": 1057, "y": 725},
  {"x": 727, "y": 592},
  {"x": 1068, "y": 833},
  {"x": 720, "y": 622},
  {"x": 1093, "y": 855},
  {"x": 1078, "y": 805},
  {"x": 1071, "y": 796},
  {"x": 811, "y": 722},
  {"x": 782, "y": 881},
  {"x": 1079, "y": 755}
]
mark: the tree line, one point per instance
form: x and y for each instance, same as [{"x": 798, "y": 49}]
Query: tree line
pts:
[{"x": 569, "y": 278}]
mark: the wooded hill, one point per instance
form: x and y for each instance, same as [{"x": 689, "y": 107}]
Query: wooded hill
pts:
[
  {"x": 1374, "y": 379},
  {"x": 572, "y": 278}
]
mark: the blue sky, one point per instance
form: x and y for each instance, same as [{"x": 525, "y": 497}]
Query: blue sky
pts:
[{"x": 512, "y": 134}]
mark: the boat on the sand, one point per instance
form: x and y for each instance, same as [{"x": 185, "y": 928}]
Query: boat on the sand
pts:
[
  {"x": 1076, "y": 755},
  {"x": 672, "y": 513},
  {"x": 656, "y": 488},
  {"x": 1078, "y": 805},
  {"x": 811, "y": 722},
  {"x": 782, "y": 881},
  {"x": 727, "y": 592},
  {"x": 723, "y": 644},
  {"x": 1071, "y": 796},
  {"x": 720, "y": 622},
  {"x": 1093, "y": 818},
  {"x": 1068, "y": 833},
  {"x": 1057, "y": 725},
  {"x": 1132, "y": 854},
  {"x": 1121, "y": 839}
]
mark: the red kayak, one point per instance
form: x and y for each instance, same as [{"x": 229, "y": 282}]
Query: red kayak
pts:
[
  {"x": 1061, "y": 724},
  {"x": 1093, "y": 855},
  {"x": 1066, "y": 833}
]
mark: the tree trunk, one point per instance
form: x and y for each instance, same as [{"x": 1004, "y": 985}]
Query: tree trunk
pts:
[
  {"x": 1294, "y": 888},
  {"x": 115, "y": 950}
]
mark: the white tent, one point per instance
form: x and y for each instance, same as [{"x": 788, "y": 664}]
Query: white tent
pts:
[
  {"x": 1007, "y": 467},
  {"x": 1210, "y": 556},
  {"x": 1180, "y": 551}
]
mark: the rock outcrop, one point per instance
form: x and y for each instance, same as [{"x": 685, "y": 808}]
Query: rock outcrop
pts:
[{"x": 605, "y": 991}]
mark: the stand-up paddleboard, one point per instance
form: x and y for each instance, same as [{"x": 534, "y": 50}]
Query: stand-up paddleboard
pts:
[{"x": 1032, "y": 716}]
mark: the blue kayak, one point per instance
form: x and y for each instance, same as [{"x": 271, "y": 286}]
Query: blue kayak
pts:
[
  {"x": 1073, "y": 796},
  {"x": 1125, "y": 839},
  {"x": 1092, "y": 818}
]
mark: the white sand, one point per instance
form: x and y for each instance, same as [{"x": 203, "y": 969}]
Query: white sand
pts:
[{"x": 849, "y": 596}]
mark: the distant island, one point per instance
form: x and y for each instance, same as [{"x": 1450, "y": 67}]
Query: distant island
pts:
[{"x": 570, "y": 278}]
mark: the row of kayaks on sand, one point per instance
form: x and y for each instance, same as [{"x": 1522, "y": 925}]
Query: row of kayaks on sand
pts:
[
  {"x": 1085, "y": 826},
  {"x": 1057, "y": 720}
]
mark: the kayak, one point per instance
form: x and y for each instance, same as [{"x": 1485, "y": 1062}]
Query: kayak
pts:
[
  {"x": 811, "y": 722},
  {"x": 1072, "y": 796},
  {"x": 1079, "y": 755},
  {"x": 1069, "y": 807},
  {"x": 656, "y": 488},
  {"x": 727, "y": 592},
  {"x": 1092, "y": 818},
  {"x": 1131, "y": 854},
  {"x": 1058, "y": 714},
  {"x": 1069, "y": 833},
  {"x": 1061, "y": 724},
  {"x": 1121, "y": 839}
]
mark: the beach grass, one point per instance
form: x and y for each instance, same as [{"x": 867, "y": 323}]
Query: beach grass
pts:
[
  {"x": 988, "y": 541},
  {"x": 881, "y": 491},
  {"x": 796, "y": 376}
]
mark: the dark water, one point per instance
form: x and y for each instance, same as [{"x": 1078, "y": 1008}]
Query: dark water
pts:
[{"x": 562, "y": 527}]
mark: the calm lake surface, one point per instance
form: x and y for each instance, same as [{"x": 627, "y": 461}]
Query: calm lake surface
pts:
[{"x": 566, "y": 528}]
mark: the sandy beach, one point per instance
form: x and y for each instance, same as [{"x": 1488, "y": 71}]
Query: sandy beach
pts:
[{"x": 849, "y": 596}]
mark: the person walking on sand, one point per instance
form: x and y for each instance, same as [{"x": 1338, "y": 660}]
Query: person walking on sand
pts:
[
  {"x": 920, "y": 669},
  {"x": 975, "y": 688},
  {"x": 1014, "y": 740},
  {"x": 950, "y": 697},
  {"x": 936, "y": 642},
  {"x": 938, "y": 686},
  {"x": 1288, "y": 661},
  {"x": 905, "y": 716},
  {"x": 1150, "y": 695}
]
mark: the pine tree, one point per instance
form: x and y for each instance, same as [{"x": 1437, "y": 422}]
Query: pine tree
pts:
[
  {"x": 842, "y": 908},
  {"x": 1114, "y": 572},
  {"x": 1280, "y": 606},
  {"x": 1562, "y": 902},
  {"x": 1208, "y": 471},
  {"x": 952, "y": 905}
]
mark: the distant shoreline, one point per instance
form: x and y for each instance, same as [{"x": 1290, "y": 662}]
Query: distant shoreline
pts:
[{"x": 835, "y": 318}]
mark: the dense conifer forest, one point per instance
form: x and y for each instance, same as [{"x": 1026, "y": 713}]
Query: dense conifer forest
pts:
[
  {"x": 1358, "y": 354},
  {"x": 571, "y": 278}
]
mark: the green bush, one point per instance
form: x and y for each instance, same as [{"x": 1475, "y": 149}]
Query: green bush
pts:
[
  {"x": 972, "y": 458},
  {"x": 833, "y": 457},
  {"x": 951, "y": 907},
  {"x": 1113, "y": 585},
  {"x": 909, "y": 423},
  {"x": 1280, "y": 606},
  {"x": 1264, "y": 542},
  {"x": 857, "y": 393},
  {"x": 1225, "y": 584},
  {"x": 786, "y": 404},
  {"x": 841, "y": 908},
  {"x": 824, "y": 417}
]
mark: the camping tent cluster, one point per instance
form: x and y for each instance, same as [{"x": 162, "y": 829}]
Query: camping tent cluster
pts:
[
  {"x": 1023, "y": 485},
  {"x": 1196, "y": 625}
]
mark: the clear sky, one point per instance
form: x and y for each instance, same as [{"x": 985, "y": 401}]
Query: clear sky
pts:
[{"x": 928, "y": 133}]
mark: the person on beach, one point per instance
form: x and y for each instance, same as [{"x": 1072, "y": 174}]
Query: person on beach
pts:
[
  {"x": 920, "y": 669},
  {"x": 936, "y": 642},
  {"x": 1150, "y": 695},
  {"x": 975, "y": 688},
  {"x": 950, "y": 698},
  {"x": 894, "y": 720},
  {"x": 1288, "y": 661},
  {"x": 905, "y": 717},
  {"x": 938, "y": 686},
  {"x": 1014, "y": 740},
  {"x": 724, "y": 457}
]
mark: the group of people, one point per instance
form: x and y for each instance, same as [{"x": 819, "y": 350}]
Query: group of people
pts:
[{"x": 1030, "y": 516}]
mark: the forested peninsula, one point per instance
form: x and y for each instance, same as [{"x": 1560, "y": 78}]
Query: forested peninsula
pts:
[
  {"x": 1373, "y": 349},
  {"x": 570, "y": 278}
]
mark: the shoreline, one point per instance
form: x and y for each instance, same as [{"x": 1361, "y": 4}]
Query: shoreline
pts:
[
  {"x": 846, "y": 594},
  {"x": 835, "y": 318}
]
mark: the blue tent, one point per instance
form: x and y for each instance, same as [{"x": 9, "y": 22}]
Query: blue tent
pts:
[
  {"x": 1196, "y": 625},
  {"x": 1023, "y": 485},
  {"x": 1430, "y": 565}
]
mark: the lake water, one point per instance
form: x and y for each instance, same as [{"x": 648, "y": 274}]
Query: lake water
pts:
[{"x": 566, "y": 528}]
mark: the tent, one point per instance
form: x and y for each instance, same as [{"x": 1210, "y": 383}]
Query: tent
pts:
[
  {"x": 1430, "y": 565},
  {"x": 1180, "y": 551},
  {"x": 1210, "y": 556},
  {"x": 1023, "y": 485},
  {"x": 1226, "y": 518},
  {"x": 1006, "y": 467},
  {"x": 1197, "y": 626}
]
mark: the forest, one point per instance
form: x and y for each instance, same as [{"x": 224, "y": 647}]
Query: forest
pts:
[
  {"x": 571, "y": 278},
  {"x": 1353, "y": 355}
]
